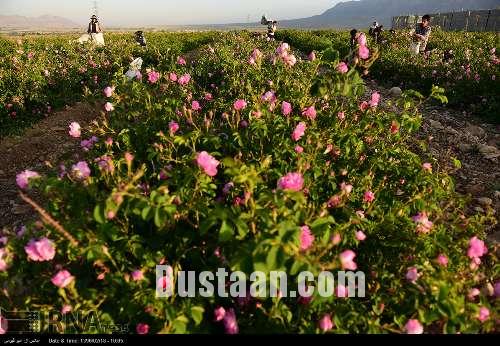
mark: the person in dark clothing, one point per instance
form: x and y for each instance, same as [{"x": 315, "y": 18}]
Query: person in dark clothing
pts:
[
  {"x": 354, "y": 39},
  {"x": 448, "y": 56},
  {"x": 140, "y": 39},
  {"x": 271, "y": 29},
  {"x": 421, "y": 35},
  {"x": 376, "y": 32},
  {"x": 372, "y": 30},
  {"x": 94, "y": 26}
]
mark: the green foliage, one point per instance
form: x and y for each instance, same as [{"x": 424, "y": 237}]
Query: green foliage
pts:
[{"x": 161, "y": 207}]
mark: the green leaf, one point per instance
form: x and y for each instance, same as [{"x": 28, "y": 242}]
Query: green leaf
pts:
[
  {"x": 456, "y": 162},
  {"x": 226, "y": 232},
  {"x": 297, "y": 267},
  {"x": 197, "y": 314},
  {"x": 160, "y": 217},
  {"x": 99, "y": 214},
  {"x": 180, "y": 324},
  {"x": 271, "y": 258},
  {"x": 321, "y": 224},
  {"x": 146, "y": 213}
]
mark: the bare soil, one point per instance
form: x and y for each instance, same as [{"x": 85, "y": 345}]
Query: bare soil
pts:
[{"x": 40, "y": 148}]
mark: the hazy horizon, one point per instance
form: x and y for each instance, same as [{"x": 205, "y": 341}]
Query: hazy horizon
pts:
[{"x": 158, "y": 12}]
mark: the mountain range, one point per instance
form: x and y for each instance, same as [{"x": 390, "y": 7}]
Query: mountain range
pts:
[
  {"x": 42, "y": 22},
  {"x": 363, "y": 13},
  {"x": 345, "y": 14}
]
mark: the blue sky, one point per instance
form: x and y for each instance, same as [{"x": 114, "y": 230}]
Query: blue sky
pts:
[{"x": 153, "y": 12}]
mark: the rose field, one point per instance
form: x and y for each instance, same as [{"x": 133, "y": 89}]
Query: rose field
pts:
[{"x": 228, "y": 151}]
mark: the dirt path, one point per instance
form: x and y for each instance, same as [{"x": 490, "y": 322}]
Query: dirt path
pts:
[
  {"x": 45, "y": 145},
  {"x": 456, "y": 134}
]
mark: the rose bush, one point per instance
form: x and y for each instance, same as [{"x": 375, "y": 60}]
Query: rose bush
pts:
[
  {"x": 222, "y": 184},
  {"x": 39, "y": 74},
  {"x": 475, "y": 64}
]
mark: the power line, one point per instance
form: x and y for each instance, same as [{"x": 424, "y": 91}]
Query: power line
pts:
[{"x": 95, "y": 8}]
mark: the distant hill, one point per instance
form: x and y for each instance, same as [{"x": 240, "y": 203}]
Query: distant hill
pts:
[
  {"x": 362, "y": 13},
  {"x": 39, "y": 23}
]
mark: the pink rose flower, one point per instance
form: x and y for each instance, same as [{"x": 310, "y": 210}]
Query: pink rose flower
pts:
[
  {"x": 282, "y": 49},
  {"x": 137, "y": 275},
  {"x": 336, "y": 239},
  {"x": 208, "y": 163},
  {"x": 142, "y": 328},
  {"x": 81, "y": 170},
  {"x": 312, "y": 56},
  {"x": 364, "y": 106},
  {"x": 346, "y": 188},
  {"x": 427, "y": 167},
  {"x": 474, "y": 292},
  {"x": 219, "y": 314},
  {"x": 240, "y": 104},
  {"x": 412, "y": 275},
  {"x": 414, "y": 327},
  {"x": 163, "y": 283},
  {"x": 4, "y": 326},
  {"x": 368, "y": 197},
  {"x": 172, "y": 76},
  {"x": 290, "y": 60},
  {"x": 325, "y": 323},
  {"x": 286, "y": 108},
  {"x": 181, "y": 61},
  {"x": 173, "y": 127},
  {"x": 341, "y": 291},
  {"x": 109, "y": 107},
  {"x": 195, "y": 106},
  {"x": 298, "y": 149},
  {"x": 153, "y": 76},
  {"x": 62, "y": 279},
  {"x": 65, "y": 309},
  {"x": 87, "y": 144},
  {"x": 442, "y": 260},
  {"x": 363, "y": 52},
  {"x": 291, "y": 182},
  {"x": 360, "y": 235},
  {"x": 476, "y": 248},
  {"x": 362, "y": 39},
  {"x": 423, "y": 223},
  {"x": 269, "y": 96},
  {"x": 334, "y": 201},
  {"x": 484, "y": 314},
  {"x": 230, "y": 322},
  {"x": 22, "y": 179},
  {"x": 309, "y": 112},
  {"x": 342, "y": 67},
  {"x": 299, "y": 131},
  {"x": 75, "y": 130},
  {"x": 3, "y": 257},
  {"x": 184, "y": 79},
  {"x": 347, "y": 260},
  {"x": 306, "y": 238},
  {"x": 40, "y": 250},
  {"x": 108, "y": 91},
  {"x": 375, "y": 100}
]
